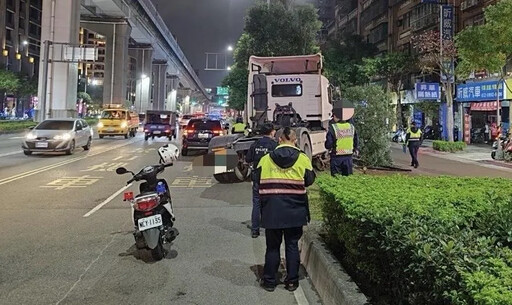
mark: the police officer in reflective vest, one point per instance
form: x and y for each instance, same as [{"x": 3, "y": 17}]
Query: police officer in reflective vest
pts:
[
  {"x": 256, "y": 152},
  {"x": 413, "y": 140},
  {"x": 341, "y": 139},
  {"x": 283, "y": 176},
  {"x": 239, "y": 126}
]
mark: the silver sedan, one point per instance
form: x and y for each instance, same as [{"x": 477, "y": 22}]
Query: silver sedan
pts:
[{"x": 58, "y": 135}]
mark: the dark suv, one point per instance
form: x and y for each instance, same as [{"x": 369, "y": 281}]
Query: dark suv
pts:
[{"x": 198, "y": 133}]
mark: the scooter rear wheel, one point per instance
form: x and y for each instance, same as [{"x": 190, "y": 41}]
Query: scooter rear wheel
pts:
[{"x": 159, "y": 252}]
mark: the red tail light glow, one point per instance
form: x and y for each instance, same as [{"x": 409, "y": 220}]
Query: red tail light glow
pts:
[
  {"x": 217, "y": 132},
  {"x": 146, "y": 204},
  {"x": 128, "y": 196}
]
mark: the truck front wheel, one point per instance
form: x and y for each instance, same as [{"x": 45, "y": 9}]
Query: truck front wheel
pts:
[{"x": 306, "y": 145}]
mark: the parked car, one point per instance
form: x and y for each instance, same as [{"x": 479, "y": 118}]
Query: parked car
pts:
[
  {"x": 58, "y": 135},
  {"x": 198, "y": 133}
]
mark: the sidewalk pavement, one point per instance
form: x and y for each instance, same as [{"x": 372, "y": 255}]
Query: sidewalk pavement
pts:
[{"x": 478, "y": 154}]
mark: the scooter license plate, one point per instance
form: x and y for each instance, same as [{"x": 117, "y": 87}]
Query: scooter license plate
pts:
[{"x": 150, "y": 222}]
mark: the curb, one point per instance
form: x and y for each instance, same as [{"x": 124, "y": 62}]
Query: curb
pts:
[{"x": 332, "y": 283}]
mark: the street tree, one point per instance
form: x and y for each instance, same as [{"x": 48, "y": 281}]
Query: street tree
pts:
[
  {"x": 373, "y": 117},
  {"x": 435, "y": 58},
  {"x": 85, "y": 97},
  {"x": 394, "y": 67},
  {"x": 275, "y": 30},
  {"x": 488, "y": 46},
  {"x": 27, "y": 86},
  {"x": 343, "y": 61},
  {"x": 9, "y": 81}
]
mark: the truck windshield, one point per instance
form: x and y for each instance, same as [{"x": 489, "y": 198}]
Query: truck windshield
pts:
[
  {"x": 158, "y": 119},
  {"x": 113, "y": 114},
  {"x": 286, "y": 90}
]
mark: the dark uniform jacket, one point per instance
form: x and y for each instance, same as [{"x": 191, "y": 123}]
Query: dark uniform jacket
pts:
[
  {"x": 285, "y": 211},
  {"x": 330, "y": 140},
  {"x": 259, "y": 149}
]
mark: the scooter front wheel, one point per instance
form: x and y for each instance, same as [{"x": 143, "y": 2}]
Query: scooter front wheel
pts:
[{"x": 493, "y": 155}]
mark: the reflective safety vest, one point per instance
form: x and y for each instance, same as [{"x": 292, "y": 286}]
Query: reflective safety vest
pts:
[
  {"x": 414, "y": 136},
  {"x": 344, "y": 133},
  {"x": 239, "y": 127},
  {"x": 275, "y": 180}
]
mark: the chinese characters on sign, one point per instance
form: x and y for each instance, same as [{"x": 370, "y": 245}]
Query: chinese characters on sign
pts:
[
  {"x": 427, "y": 91},
  {"x": 481, "y": 91},
  {"x": 446, "y": 33}
]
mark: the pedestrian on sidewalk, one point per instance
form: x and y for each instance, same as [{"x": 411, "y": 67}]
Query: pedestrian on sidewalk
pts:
[
  {"x": 413, "y": 139},
  {"x": 341, "y": 139},
  {"x": 283, "y": 176},
  {"x": 487, "y": 133},
  {"x": 258, "y": 149}
]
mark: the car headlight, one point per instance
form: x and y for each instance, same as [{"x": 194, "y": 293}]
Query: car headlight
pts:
[
  {"x": 65, "y": 136},
  {"x": 124, "y": 124},
  {"x": 31, "y": 136},
  {"x": 100, "y": 125}
]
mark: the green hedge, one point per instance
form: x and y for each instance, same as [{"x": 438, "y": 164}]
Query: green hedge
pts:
[
  {"x": 448, "y": 146},
  {"x": 424, "y": 240},
  {"x": 91, "y": 121},
  {"x": 10, "y": 126}
]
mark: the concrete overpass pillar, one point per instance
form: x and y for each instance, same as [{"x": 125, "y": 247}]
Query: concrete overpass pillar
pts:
[
  {"x": 143, "y": 80},
  {"x": 159, "y": 84},
  {"x": 115, "y": 81},
  {"x": 172, "y": 83},
  {"x": 60, "y": 23}
]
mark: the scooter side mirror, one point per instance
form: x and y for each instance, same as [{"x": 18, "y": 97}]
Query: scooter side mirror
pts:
[{"x": 121, "y": 170}]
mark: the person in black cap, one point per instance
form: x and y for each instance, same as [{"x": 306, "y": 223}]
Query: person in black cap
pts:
[
  {"x": 258, "y": 149},
  {"x": 341, "y": 139},
  {"x": 413, "y": 139}
]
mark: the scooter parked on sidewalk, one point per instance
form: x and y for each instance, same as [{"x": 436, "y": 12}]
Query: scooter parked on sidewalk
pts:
[
  {"x": 399, "y": 136},
  {"x": 502, "y": 149},
  {"x": 153, "y": 215}
]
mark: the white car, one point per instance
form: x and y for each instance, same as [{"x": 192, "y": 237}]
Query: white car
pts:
[{"x": 58, "y": 135}]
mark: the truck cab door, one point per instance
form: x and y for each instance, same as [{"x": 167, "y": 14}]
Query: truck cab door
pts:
[{"x": 260, "y": 98}]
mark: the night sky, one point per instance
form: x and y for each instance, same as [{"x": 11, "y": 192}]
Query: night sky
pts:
[{"x": 202, "y": 26}]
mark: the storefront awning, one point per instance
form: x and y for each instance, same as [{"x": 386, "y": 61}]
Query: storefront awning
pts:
[{"x": 484, "y": 106}]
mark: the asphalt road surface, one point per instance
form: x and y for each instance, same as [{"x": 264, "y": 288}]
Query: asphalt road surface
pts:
[{"x": 67, "y": 235}]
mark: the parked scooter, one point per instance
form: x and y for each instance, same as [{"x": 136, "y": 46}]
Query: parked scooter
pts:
[
  {"x": 399, "y": 135},
  {"x": 505, "y": 146},
  {"x": 153, "y": 215}
]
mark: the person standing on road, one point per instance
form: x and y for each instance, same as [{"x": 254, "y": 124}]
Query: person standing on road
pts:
[
  {"x": 342, "y": 141},
  {"x": 256, "y": 152},
  {"x": 239, "y": 126},
  {"x": 413, "y": 140},
  {"x": 283, "y": 176}
]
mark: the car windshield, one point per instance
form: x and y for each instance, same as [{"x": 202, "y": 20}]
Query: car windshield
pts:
[
  {"x": 55, "y": 125},
  {"x": 113, "y": 114},
  {"x": 158, "y": 118},
  {"x": 204, "y": 125}
]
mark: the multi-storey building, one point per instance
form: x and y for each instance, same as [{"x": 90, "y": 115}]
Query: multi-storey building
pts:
[
  {"x": 20, "y": 40},
  {"x": 20, "y": 35},
  {"x": 93, "y": 71}
]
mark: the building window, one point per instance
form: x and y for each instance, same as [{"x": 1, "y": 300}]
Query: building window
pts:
[
  {"x": 9, "y": 19},
  {"x": 8, "y": 35},
  {"x": 35, "y": 15},
  {"x": 36, "y": 3},
  {"x": 21, "y": 23},
  {"x": 34, "y": 30},
  {"x": 11, "y": 5}
]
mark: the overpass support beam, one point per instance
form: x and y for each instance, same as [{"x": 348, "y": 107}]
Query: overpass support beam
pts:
[
  {"x": 159, "y": 84},
  {"x": 143, "y": 77},
  {"x": 115, "y": 81},
  {"x": 60, "y": 23},
  {"x": 172, "y": 84}
]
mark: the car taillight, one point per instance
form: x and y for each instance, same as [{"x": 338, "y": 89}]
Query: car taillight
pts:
[
  {"x": 146, "y": 203},
  {"x": 217, "y": 132},
  {"x": 189, "y": 131}
]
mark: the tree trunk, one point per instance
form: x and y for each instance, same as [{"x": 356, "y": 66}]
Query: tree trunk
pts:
[
  {"x": 449, "y": 110},
  {"x": 399, "y": 119}
]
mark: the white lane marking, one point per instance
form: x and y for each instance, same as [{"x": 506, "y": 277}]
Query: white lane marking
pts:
[
  {"x": 10, "y": 154},
  {"x": 300, "y": 297},
  {"x": 58, "y": 164},
  {"x": 14, "y": 138},
  {"x": 99, "y": 206}
]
